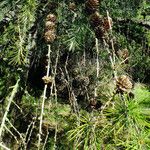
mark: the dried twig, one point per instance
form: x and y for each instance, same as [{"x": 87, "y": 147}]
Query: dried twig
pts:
[
  {"x": 21, "y": 137},
  {"x": 55, "y": 137},
  {"x": 53, "y": 86},
  {"x": 45, "y": 140},
  {"x": 111, "y": 54},
  {"x": 44, "y": 97},
  {"x": 10, "y": 99},
  {"x": 29, "y": 136},
  {"x": 72, "y": 96},
  {"x": 97, "y": 66},
  {"x": 29, "y": 131},
  {"x": 112, "y": 60},
  {"x": 11, "y": 133},
  {"x": 4, "y": 147}
]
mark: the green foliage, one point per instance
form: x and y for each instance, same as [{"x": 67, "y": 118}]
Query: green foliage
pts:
[
  {"x": 121, "y": 8},
  {"x": 85, "y": 135},
  {"x": 16, "y": 34},
  {"x": 121, "y": 123},
  {"x": 125, "y": 124}
]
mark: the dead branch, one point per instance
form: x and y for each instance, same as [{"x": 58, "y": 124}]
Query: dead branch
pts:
[
  {"x": 44, "y": 98},
  {"x": 10, "y": 99}
]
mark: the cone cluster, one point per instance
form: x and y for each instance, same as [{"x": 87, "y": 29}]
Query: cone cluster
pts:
[
  {"x": 100, "y": 24},
  {"x": 50, "y": 28},
  {"x": 123, "y": 83}
]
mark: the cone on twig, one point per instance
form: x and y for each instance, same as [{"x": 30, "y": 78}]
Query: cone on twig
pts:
[
  {"x": 107, "y": 23},
  {"x": 48, "y": 79},
  {"x": 50, "y": 25},
  {"x": 100, "y": 32},
  {"x": 95, "y": 19},
  {"x": 123, "y": 83},
  {"x": 51, "y": 17},
  {"x": 49, "y": 36}
]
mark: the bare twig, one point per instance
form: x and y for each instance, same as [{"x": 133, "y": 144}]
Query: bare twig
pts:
[
  {"x": 11, "y": 134},
  {"x": 45, "y": 140},
  {"x": 105, "y": 106},
  {"x": 44, "y": 97},
  {"x": 17, "y": 106},
  {"x": 10, "y": 99},
  {"x": 4, "y": 147},
  {"x": 72, "y": 97},
  {"x": 21, "y": 137},
  {"x": 97, "y": 57},
  {"x": 55, "y": 137},
  {"x": 32, "y": 125},
  {"x": 112, "y": 59},
  {"x": 53, "y": 86},
  {"x": 97, "y": 65},
  {"x": 111, "y": 54}
]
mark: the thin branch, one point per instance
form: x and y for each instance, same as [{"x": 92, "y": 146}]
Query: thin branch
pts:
[
  {"x": 45, "y": 140},
  {"x": 11, "y": 134},
  {"x": 97, "y": 65},
  {"x": 3, "y": 146},
  {"x": 17, "y": 106},
  {"x": 72, "y": 96},
  {"x": 111, "y": 53},
  {"x": 97, "y": 58},
  {"x": 53, "y": 86},
  {"x": 32, "y": 125},
  {"x": 21, "y": 137},
  {"x": 14, "y": 91},
  {"x": 55, "y": 137},
  {"x": 44, "y": 98}
]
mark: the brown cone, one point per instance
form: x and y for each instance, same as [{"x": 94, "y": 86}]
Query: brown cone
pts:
[
  {"x": 123, "y": 83},
  {"x": 91, "y": 6},
  {"x": 50, "y": 25},
  {"x": 107, "y": 23},
  {"x": 51, "y": 17},
  {"x": 100, "y": 32},
  {"x": 95, "y": 19},
  {"x": 49, "y": 36}
]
